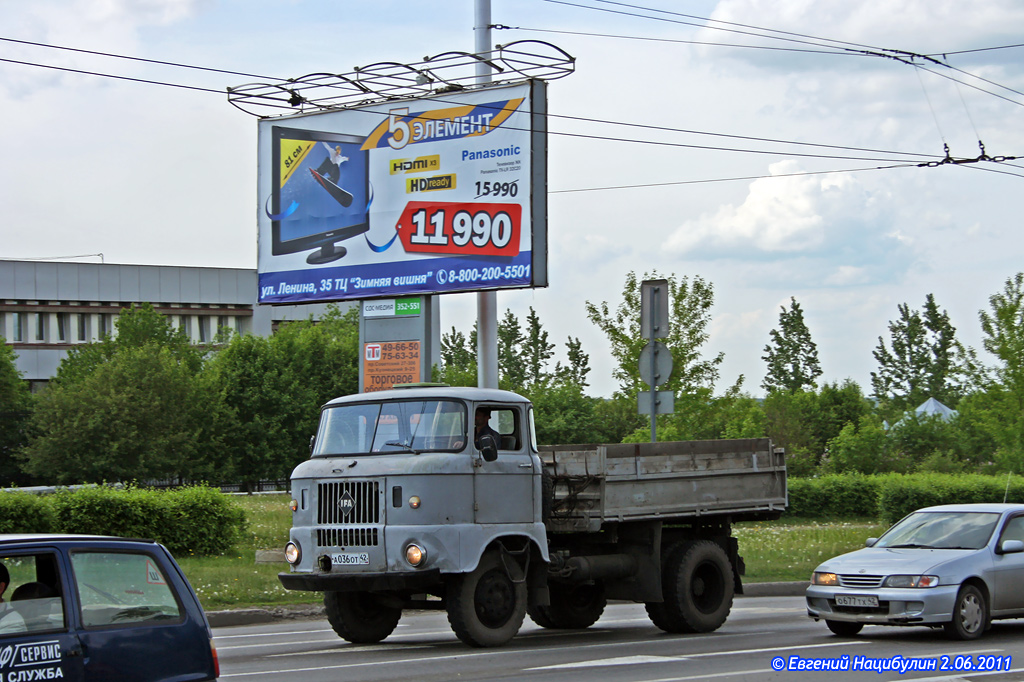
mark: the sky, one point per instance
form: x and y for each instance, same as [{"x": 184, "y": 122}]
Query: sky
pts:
[{"x": 834, "y": 212}]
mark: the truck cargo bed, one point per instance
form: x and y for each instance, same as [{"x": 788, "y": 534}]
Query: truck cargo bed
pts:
[{"x": 744, "y": 479}]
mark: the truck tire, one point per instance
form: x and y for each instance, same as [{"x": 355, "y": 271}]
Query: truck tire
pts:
[
  {"x": 572, "y": 607},
  {"x": 358, "y": 617},
  {"x": 697, "y": 585},
  {"x": 485, "y": 607}
]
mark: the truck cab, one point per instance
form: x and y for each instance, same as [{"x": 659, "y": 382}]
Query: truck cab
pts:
[{"x": 400, "y": 497}]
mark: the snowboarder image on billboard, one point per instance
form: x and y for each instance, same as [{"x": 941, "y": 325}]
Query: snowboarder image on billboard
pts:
[{"x": 329, "y": 172}]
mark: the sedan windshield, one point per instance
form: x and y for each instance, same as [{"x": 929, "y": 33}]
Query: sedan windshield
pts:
[
  {"x": 941, "y": 530},
  {"x": 391, "y": 427}
]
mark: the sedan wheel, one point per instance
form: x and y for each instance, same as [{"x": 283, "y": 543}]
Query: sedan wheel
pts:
[{"x": 969, "y": 614}]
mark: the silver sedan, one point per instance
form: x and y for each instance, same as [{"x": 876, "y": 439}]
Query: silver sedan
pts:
[{"x": 956, "y": 566}]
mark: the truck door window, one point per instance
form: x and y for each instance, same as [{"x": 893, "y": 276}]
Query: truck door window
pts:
[
  {"x": 505, "y": 421},
  {"x": 119, "y": 588},
  {"x": 32, "y": 598}
]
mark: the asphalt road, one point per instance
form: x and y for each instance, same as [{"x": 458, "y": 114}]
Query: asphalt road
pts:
[{"x": 761, "y": 632}]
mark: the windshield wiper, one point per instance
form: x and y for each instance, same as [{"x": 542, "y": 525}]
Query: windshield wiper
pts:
[
  {"x": 910, "y": 545},
  {"x": 402, "y": 444}
]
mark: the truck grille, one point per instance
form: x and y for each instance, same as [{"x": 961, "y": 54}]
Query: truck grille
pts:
[
  {"x": 347, "y": 537},
  {"x": 348, "y": 503}
]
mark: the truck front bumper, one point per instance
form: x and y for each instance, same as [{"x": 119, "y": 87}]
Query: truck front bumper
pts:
[{"x": 360, "y": 582}]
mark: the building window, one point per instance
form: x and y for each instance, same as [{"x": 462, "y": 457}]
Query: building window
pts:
[
  {"x": 40, "y": 326},
  {"x": 16, "y": 323},
  {"x": 62, "y": 327},
  {"x": 204, "y": 328},
  {"x": 82, "y": 327}
]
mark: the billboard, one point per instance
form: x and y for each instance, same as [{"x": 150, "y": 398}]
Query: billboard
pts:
[{"x": 425, "y": 196}]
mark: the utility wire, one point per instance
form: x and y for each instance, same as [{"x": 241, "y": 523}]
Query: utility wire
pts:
[
  {"x": 137, "y": 59},
  {"x": 567, "y": 117}
]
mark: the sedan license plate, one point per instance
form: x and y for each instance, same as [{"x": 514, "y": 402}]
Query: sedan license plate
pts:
[
  {"x": 864, "y": 600},
  {"x": 351, "y": 559}
]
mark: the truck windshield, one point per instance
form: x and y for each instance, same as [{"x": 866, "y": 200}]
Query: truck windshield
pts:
[{"x": 391, "y": 427}]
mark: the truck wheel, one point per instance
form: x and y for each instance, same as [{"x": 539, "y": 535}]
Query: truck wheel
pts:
[
  {"x": 359, "y": 617},
  {"x": 485, "y": 608},
  {"x": 697, "y": 586},
  {"x": 969, "y": 614},
  {"x": 573, "y": 607}
]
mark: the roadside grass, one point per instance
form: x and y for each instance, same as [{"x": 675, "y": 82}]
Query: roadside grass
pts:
[
  {"x": 781, "y": 550},
  {"x": 785, "y": 550}
]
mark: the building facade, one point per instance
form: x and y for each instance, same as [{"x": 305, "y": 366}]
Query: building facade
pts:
[{"x": 48, "y": 308}]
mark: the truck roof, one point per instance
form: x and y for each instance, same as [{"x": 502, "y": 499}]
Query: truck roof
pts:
[{"x": 434, "y": 393}]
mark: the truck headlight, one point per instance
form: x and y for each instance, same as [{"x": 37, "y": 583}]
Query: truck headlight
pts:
[
  {"x": 415, "y": 555},
  {"x": 292, "y": 553},
  {"x": 911, "y": 581}
]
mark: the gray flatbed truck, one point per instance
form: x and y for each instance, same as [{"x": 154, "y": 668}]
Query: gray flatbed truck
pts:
[{"x": 437, "y": 497}]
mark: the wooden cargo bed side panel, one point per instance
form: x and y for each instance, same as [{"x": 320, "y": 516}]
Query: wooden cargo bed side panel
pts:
[{"x": 594, "y": 483}]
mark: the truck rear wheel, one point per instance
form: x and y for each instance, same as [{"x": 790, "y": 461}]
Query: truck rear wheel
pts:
[
  {"x": 485, "y": 607},
  {"x": 697, "y": 586},
  {"x": 572, "y": 607},
  {"x": 359, "y": 617}
]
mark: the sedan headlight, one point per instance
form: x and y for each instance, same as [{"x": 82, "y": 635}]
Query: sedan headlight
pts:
[
  {"x": 820, "y": 578},
  {"x": 911, "y": 581}
]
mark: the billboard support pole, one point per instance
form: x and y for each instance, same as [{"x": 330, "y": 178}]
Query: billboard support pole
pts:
[{"x": 486, "y": 301}]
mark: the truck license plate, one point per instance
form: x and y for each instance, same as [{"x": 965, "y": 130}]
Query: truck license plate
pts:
[
  {"x": 351, "y": 559},
  {"x": 866, "y": 600}
]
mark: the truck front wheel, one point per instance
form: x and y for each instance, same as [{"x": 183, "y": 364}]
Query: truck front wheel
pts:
[
  {"x": 359, "y": 617},
  {"x": 485, "y": 607},
  {"x": 572, "y": 607},
  {"x": 697, "y": 586}
]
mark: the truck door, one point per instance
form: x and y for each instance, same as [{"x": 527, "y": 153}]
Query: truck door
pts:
[
  {"x": 36, "y": 640},
  {"x": 503, "y": 489}
]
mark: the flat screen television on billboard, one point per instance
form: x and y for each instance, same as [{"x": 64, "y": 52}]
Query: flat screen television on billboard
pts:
[{"x": 320, "y": 192}]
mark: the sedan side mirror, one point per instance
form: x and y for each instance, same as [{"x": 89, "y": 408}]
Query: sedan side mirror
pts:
[
  {"x": 870, "y": 542},
  {"x": 1011, "y": 546}
]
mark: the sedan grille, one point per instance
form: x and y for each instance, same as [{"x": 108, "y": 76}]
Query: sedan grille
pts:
[{"x": 860, "y": 580}]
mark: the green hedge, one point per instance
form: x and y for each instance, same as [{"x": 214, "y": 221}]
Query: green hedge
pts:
[
  {"x": 194, "y": 520},
  {"x": 890, "y": 497}
]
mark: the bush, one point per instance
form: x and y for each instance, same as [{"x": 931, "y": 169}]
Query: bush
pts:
[
  {"x": 900, "y": 495},
  {"x": 835, "y": 496},
  {"x": 25, "y": 513},
  {"x": 193, "y": 520}
]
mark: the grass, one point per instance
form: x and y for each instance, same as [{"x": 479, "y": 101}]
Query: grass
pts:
[{"x": 773, "y": 551}]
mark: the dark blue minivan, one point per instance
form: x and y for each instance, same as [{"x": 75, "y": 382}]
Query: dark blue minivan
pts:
[{"x": 78, "y": 607}]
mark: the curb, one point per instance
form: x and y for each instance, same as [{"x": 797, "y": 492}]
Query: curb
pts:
[{"x": 236, "y": 617}]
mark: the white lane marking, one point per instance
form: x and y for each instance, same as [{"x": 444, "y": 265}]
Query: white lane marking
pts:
[{"x": 665, "y": 659}]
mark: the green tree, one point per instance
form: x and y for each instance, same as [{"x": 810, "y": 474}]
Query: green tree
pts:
[
  {"x": 537, "y": 351},
  {"x": 1003, "y": 329},
  {"x": 458, "y": 359},
  {"x": 270, "y": 391},
  {"x": 923, "y": 360},
  {"x": 693, "y": 377},
  {"x": 138, "y": 415},
  {"x": 512, "y": 371},
  {"x": 15, "y": 405},
  {"x": 129, "y": 406},
  {"x": 791, "y": 355}
]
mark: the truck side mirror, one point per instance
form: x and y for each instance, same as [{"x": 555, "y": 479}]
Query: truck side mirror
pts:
[{"x": 488, "y": 447}]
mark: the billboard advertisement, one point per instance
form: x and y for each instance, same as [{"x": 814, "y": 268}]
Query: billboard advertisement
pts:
[{"x": 433, "y": 195}]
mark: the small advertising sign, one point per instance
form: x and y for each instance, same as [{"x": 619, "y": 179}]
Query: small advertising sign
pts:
[
  {"x": 433, "y": 195},
  {"x": 386, "y": 363}
]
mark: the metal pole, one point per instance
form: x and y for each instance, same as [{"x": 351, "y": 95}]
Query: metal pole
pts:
[
  {"x": 486, "y": 301},
  {"x": 654, "y": 365}
]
